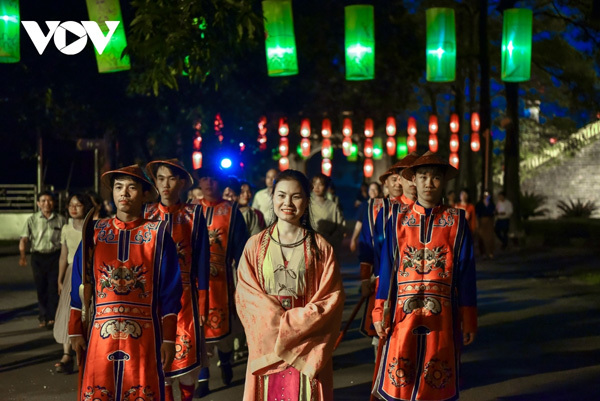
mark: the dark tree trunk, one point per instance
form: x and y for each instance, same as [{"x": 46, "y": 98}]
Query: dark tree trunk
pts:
[
  {"x": 484, "y": 97},
  {"x": 511, "y": 152}
]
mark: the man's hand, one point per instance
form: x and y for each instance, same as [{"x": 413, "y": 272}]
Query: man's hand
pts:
[
  {"x": 79, "y": 345},
  {"x": 167, "y": 354},
  {"x": 23, "y": 261},
  {"x": 60, "y": 287},
  {"x": 382, "y": 331},
  {"x": 468, "y": 338}
]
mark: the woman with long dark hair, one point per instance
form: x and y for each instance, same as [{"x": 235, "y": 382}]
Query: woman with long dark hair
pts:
[
  {"x": 78, "y": 205},
  {"x": 290, "y": 299}
]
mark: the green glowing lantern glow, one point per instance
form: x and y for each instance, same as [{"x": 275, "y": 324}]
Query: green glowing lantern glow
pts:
[
  {"x": 280, "y": 43},
  {"x": 110, "y": 60},
  {"x": 377, "y": 148},
  {"x": 401, "y": 147},
  {"x": 353, "y": 153},
  {"x": 516, "y": 45},
  {"x": 10, "y": 21},
  {"x": 360, "y": 42},
  {"x": 441, "y": 45}
]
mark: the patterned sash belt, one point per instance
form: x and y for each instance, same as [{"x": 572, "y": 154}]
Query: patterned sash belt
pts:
[{"x": 288, "y": 302}]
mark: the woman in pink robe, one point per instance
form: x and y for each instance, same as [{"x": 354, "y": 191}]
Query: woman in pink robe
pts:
[{"x": 290, "y": 299}]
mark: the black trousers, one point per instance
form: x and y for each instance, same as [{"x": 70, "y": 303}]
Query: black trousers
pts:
[
  {"x": 45, "y": 276},
  {"x": 502, "y": 226}
]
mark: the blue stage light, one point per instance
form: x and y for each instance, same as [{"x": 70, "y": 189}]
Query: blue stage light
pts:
[{"x": 226, "y": 162}]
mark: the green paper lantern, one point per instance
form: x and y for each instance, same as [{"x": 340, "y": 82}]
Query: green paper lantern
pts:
[
  {"x": 110, "y": 60},
  {"x": 441, "y": 45},
  {"x": 280, "y": 43},
  {"x": 360, "y": 42},
  {"x": 10, "y": 22},
  {"x": 377, "y": 149},
  {"x": 516, "y": 45},
  {"x": 401, "y": 148}
]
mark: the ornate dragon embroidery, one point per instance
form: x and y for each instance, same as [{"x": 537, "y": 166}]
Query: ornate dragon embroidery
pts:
[
  {"x": 122, "y": 280},
  {"x": 424, "y": 260},
  {"x": 401, "y": 372}
]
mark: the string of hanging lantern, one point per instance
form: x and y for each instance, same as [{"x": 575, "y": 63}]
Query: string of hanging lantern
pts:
[
  {"x": 197, "y": 145},
  {"x": 284, "y": 147}
]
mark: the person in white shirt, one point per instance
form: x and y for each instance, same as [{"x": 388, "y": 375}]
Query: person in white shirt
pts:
[
  {"x": 262, "y": 199},
  {"x": 504, "y": 211}
]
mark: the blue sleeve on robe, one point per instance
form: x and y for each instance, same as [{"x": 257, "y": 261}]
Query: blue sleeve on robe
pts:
[
  {"x": 467, "y": 286},
  {"x": 365, "y": 239},
  {"x": 378, "y": 237},
  {"x": 201, "y": 249},
  {"x": 76, "y": 278},
  {"x": 170, "y": 289},
  {"x": 388, "y": 249}
]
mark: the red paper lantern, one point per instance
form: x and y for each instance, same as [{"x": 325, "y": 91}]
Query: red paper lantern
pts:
[
  {"x": 305, "y": 147},
  {"x": 326, "y": 167},
  {"x": 368, "y": 149},
  {"x": 433, "y": 124},
  {"x": 390, "y": 145},
  {"x": 347, "y": 146},
  {"x": 305, "y": 128},
  {"x": 197, "y": 160},
  {"x": 326, "y": 148},
  {"x": 284, "y": 128},
  {"x": 368, "y": 168},
  {"x": 433, "y": 143},
  {"x": 475, "y": 142},
  {"x": 411, "y": 128},
  {"x": 454, "y": 123},
  {"x": 197, "y": 143},
  {"x": 326, "y": 128},
  {"x": 475, "y": 123},
  {"x": 262, "y": 126},
  {"x": 411, "y": 143},
  {"x": 284, "y": 148},
  {"x": 454, "y": 160},
  {"x": 454, "y": 143},
  {"x": 369, "y": 131},
  {"x": 347, "y": 128},
  {"x": 284, "y": 163},
  {"x": 390, "y": 126}
]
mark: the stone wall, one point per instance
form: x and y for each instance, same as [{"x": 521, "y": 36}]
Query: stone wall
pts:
[{"x": 572, "y": 177}]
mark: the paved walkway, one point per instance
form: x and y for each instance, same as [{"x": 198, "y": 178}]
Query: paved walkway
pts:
[{"x": 539, "y": 336}]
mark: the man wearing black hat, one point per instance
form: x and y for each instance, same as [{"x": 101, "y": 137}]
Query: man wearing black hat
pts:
[
  {"x": 227, "y": 237},
  {"x": 425, "y": 307},
  {"x": 187, "y": 226},
  {"x": 132, "y": 276}
]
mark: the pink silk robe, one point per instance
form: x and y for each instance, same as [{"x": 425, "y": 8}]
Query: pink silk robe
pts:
[{"x": 302, "y": 337}]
